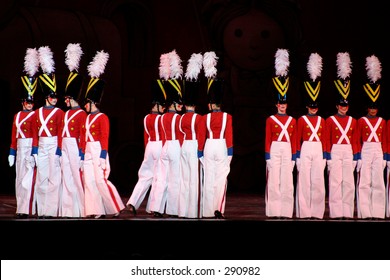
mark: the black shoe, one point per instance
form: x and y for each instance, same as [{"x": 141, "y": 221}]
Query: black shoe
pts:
[
  {"x": 21, "y": 216},
  {"x": 157, "y": 214},
  {"x": 218, "y": 215},
  {"x": 132, "y": 209}
]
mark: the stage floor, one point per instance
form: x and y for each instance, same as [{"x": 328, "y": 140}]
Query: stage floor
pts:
[{"x": 246, "y": 233}]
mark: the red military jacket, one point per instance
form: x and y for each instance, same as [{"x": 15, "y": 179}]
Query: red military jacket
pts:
[
  {"x": 72, "y": 124},
  {"x": 152, "y": 128},
  {"x": 48, "y": 123},
  {"x": 334, "y": 135},
  {"x": 96, "y": 128},
  {"x": 213, "y": 131},
  {"x": 305, "y": 131},
  {"x": 273, "y": 131},
  {"x": 171, "y": 133},
  {"x": 364, "y": 131},
  {"x": 22, "y": 127},
  {"x": 195, "y": 131}
]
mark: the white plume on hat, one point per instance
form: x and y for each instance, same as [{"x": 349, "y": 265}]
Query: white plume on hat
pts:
[
  {"x": 175, "y": 63},
  {"x": 344, "y": 65},
  {"x": 210, "y": 60},
  {"x": 165, "y": 67},
  {"x": 314, "y": 66},
  {"x": 282, "y": 62},
  {"x": 97, "y": 66},
  {"x": 46, "y": 60},
  {"x": 374, "y": 68},
  {"x": 73, "y": 54},
  {"x": 194, "y": 67},
  {"x": 31, "y": 62}
]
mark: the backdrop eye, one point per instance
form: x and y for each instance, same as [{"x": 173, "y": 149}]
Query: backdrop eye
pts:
[
  {"x": 238, "y": 33},
  {"x": 265, "y": 34}
]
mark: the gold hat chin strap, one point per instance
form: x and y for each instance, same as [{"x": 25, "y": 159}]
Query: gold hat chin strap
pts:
[
  {"x": 71, "y": 77},
  {"x": 313, "y": 92},
  {"x": 373, "y": 94},
  {"x": 281, "y": 87},
  {"x": 343, "y": 90},
  {"x": 49, "y": 82},
  {"x": 91, "y": 83},
  {"x": 162, "y": 89},
  {"x": 209, "y": 83},
  {"x": 30, "y": 87},
  {"x": 176, "y": 85}
]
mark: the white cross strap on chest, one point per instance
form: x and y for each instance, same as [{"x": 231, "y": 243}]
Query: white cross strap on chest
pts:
[
  {"x": 65, "y": 130},
  {"x": 18, "y": 124},
  {"x": 342, "y": 130},
  {"x": 373, "y": 129},
  {"x": 223, "y": 128},
  {"x": 44, "y": 121},
  {"x": 284, "y": 127},
  {"x": 314, "y": 130},
  {"x": 88, "y": 135}
]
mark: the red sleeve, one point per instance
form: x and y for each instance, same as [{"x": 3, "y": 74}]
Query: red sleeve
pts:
[
  {"x": 201, "y": 131},
  {"x": 13, "y": 135},
  {"x": 268, "y": 135},
  {"x": 229, "y": 132},
  {"x": 104, "y": 131},
  {"x": 293, "y": 139},
  {"x": 299, "y": 133}
]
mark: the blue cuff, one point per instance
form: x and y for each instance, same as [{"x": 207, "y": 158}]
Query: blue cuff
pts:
[
  {"x": 12, "y": 152},
  {"x": 58, "y": 152},
  {"x": 324, "y": 155},
  {"x": 80, "y": 152},
  {"x": 103, "y": 154},
  {"x": 200, "y": 154},
  {"x": 267, "y": 156},
  {"x": 294, "y": 157},
  {"x": 384, "y": 157},
  {"x": 298, "y": 154},
  {"x": 230, "y": 151},
  {"x": 82, "y": 156},
  {"x": 356, "y": 156},
  {"x": 34, "y": 150}
]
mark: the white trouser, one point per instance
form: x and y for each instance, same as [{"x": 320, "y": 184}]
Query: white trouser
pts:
[
  {"x": 101, "y": 196},
  {"x": 190, "y": 188},
  {"x": 371, "y": 191},
  {"x": 146, "y": 173},
  {"x": 279, "y": 194},
  {"x": 216, "y": 170},
  {"x": 48, "y": 180},
  {"x": 341, "y": 182},
  {"x": 24, "y": 180},
  {"x": 166, "y": 191},
  {"x": 72, "y": 195},
  {"x": 310, "y": 192}
]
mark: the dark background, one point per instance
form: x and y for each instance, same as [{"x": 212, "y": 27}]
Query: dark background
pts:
[{"x": 245, "y": 36}]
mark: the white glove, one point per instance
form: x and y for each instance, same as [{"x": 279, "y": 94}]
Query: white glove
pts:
[
  {"x": 268, "y": 161},
  {"x": 11, "y": 160},
  {"x": 201, "y": 159},
  {"x": 388, "y": 165},
  {"x": 81, "y": 163},
  {"x": 298, "y": 162},
  {"x": 292, "y": 165},
  {"x": 58, "y": 161},
  {"x": 359, "y": 165},
  {"x": 329, "y": 164},
  {"x": 354, "y": 163},
  {"x": 230, "y": 159},
  {"x": 384, "y": 164},
  {"x": 103, "y": 163},
  {"x": 324, "y": 163},
  {"x": 35, "y": 156}
]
